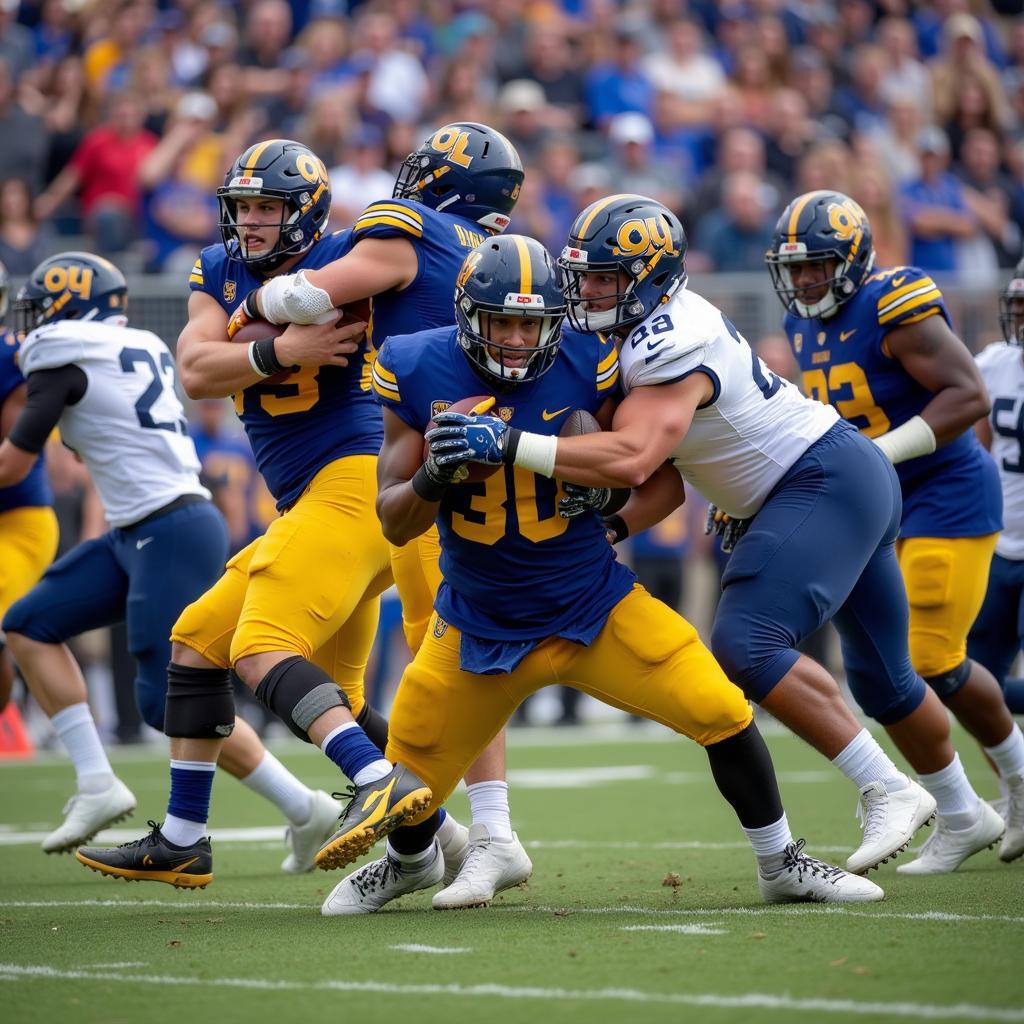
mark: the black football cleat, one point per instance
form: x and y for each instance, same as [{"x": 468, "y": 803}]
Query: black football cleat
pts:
[
  {"x": 153, "y": 859},
  {"x": 374, "y": 811}
]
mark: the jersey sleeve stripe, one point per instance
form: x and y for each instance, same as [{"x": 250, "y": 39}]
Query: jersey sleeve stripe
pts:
[
  {"x": 912, "y": 301},
  {"x": 607, "y": 382},
  {"x": 930, "y": 311},
  {"x": 375, "y": 208},
  {"x": 608, "y": 361},
  {"x": 195, "y": 279},
  {"x": 386, "y": 389},
  {"x": 385, "y": 373},
  {"x": 391, "y": 220},
  {"x": 896, "y": 293}
]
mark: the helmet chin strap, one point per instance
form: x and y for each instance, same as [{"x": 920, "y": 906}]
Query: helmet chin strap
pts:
[
  {"x": 824, "y": 307},
  {"x": 597, "y": 321}
]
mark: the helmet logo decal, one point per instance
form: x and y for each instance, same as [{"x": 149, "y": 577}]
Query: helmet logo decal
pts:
[
  {"x": 468, "y": 266},
  {"x": 638, "y": 237},
  {"x": 847, "y": 220},
  {"x": 77, "y": 280},
  {"x": 451, "y": 141}
]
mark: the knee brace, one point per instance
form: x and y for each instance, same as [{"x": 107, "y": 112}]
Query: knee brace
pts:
[
  {"x": 299, "y": 693},
  {"x": 375, "y": 725},
  {"x": 950, "y": 683},
  {"x": 200, "y": 703}
]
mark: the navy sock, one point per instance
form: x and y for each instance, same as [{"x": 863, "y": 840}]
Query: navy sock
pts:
[
  {"x": 191, "y": 788},
  {"x": 351, "y": 750}
]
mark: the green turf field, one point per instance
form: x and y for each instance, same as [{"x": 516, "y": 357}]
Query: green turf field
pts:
[{"x": 643, "y": 906}]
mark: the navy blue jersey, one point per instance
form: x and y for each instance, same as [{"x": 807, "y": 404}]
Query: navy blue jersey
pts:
[
  {"x": 315, "y": 416},
  {"x": 513, "y": 568},
  {"x": 34, "y": 490},
  {"x": 846, "y": 363},
  {"x": 441, "y": 241}
]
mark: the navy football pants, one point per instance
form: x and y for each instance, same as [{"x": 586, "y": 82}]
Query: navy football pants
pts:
[
  {"x": 144, "y": 575},
  {"x": 998, "y": 632},
  {"x": 822, "y": 547}
]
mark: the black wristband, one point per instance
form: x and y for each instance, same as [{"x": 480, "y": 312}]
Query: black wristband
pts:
[
  {"x": 249, "y": 306},
  {"x": 512, "y": 435},
  {"x": 618, "y": 526},
  {"x": 617, "y": 498},
  {"x": 265, "y": 358},
  {"x": 426, "y": 487}
]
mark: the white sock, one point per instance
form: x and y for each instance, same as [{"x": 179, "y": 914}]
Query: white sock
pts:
[
  {"x": 414, "y": 860},
  {"x": 957, "y": 802},
  {"x": 769, "y": 841},
  {"x": 76, "y": 729},
  {"x": 272, "y": 780},
  {"x": 488, "y": 805},
  {"x": 447, "y": 830},
  {"x": 182, "y": 832},
  {"x": 862, "y": 761},
  {"x": 1009, "y": 755}
]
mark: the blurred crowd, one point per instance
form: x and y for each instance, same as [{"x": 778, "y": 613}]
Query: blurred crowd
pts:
[{"x": 118, "y": 118}]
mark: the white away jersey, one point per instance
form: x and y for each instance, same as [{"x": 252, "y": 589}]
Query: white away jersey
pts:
[
  {"x": 129, "y": 428},
  {"x": 1002, "y": 368},
  {"x": 756, "y": 425}
]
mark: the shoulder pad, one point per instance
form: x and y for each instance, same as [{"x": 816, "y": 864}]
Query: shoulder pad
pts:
[
  {"x": 904, "y": 295},
  {"x": 392, "y": 218}
]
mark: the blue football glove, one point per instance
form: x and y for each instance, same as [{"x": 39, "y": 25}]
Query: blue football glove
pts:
[
  {"x": 580, "y": 499},
  {"x": 725, "y": 526},
  {"x": 458, "y": 438}
]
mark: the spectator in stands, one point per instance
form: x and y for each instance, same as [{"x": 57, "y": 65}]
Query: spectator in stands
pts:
[
  {"x": 362, "y": 178},
  {"x": 523, "y": 110},
  {"x": 897, "y": 139},
  {"x": 975, "y": 106},
  {"x": 769, "y": 36},
  {"x": 735, "y": 237},
  {"x": 633, "y": 164},
  {"x": 988, "y": 193},
  {"x": 690, "y": 77},
  {"x": 24, "y": 135},
  {"x": 548, "y": 59},
  {"x": 863, "y": 102},
  {"x": 813, "y": 78},
  {"x": 754, "y": 80},
  {"x": 54, "y": 35},
  {"x": 791, "y": 132},
  {"x": 559, "y": 161},
  {"x": 17, "y": 48},
  {"x": 267, "y": 34},
  {"x": 904, "y": 78},
  {"x": 108, "y": 58},
  {"x": 329, "y": 119},
  {"x": 104, "y": 173},
  {"x": 398, "y": 87},
  {"x": 24, "y": 243},
  {"x": 285, "y": 111},
  {"x": 620, "y": 85},
  {"x": 152, "y": 81},
  {"x": 325, "y": 45},
  {"x": 935, "y": 207},
  {"x": 872, "y": 188},
  {"x": 465, "y": 93},
  {"x": 964, "y": 56},
  {"x": 827, "y": 164}
]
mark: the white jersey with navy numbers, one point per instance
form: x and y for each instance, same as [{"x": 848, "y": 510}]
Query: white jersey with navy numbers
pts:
[
  {"x": 1002, "y": 368},
  {"x": 129, "y": 427},
  {"x": 755, "y": 426}
]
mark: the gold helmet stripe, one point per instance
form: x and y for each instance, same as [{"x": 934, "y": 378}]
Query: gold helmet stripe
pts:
[{"x": 525, "y": 266}]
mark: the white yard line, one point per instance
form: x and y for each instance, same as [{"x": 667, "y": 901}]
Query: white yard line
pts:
[
  {"x": 201, "y": 904},
  {"x": 682, "y": 929},
  {"x": 745, "y": 1000},
  {"x": 412, "y": 947}
]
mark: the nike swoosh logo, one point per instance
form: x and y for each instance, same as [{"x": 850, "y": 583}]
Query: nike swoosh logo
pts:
[
  {"x": 140, "y": 544},
  {"x": 652, "y": 345},
  {"x": 378, "y": 794},
  {"x": 897, "y": 281},
  {"x": 147, "y": 860},
  {"x": 558, "y": 412},
  {"x": 843, "y": 335},
  {"x": 184, "y": 864}
]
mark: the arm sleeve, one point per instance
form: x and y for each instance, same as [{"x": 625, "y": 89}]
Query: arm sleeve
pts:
[
  {"x": 49, "y": 392},
  {"x": 386, "y": 386}
]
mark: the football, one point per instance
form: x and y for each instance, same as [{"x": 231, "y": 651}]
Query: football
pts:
[
  {"x": 259, "y": 329},
  {"x": 579, "y": 422},
  {"x": 476, "y": 471}
]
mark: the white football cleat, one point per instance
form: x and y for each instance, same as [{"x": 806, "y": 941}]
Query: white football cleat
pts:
[
  {"x": 304, "y": 840},
  {"x": 806, "y": 880},
  {"x": 85, "y": 814},
  {"x": 946, "y": 849},
  {"x": 454, "y": 850},
  {"x": 375, "y": 884},
  {"x": 889, "y": 819},
  {"x": 1012, "y": 846},
  {"x": 490, "y": 867}
]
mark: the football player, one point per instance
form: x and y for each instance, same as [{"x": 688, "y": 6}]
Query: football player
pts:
[
  {"x": 457, "y": 188},
  {"x": 28, "y": 525},
  {"x": 876, "y": 345},
  {"x": 760, "y": 451},
  {"x": 529, "y": 595},
  {"x": 295, "y": 612},
  {"x": 111, "y": 391},
  {"x": 998, "y": 632}
]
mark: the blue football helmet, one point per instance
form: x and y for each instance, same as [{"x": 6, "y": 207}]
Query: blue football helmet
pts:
[
  {"x": 276, "y": 169},
  {"x": 819, "y": 226},
  {"x": 1011, "y": 306},
  {"x": 467, "y": 169},
  {"x": 641, "y": 241},
  {"x": 510, "y": 275},
  {"x": 70, "y": 286}
]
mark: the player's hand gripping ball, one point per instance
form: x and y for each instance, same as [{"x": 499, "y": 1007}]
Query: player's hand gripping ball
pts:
[{"x": 463, "y": 444}]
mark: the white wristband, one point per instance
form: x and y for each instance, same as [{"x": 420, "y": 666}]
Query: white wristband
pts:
[
  {"x": 912, "y": 439},
  {"x": 291, "y": 299},
  {"x": 537, "y": 452},
  {"x": 252, "y": 361}
]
